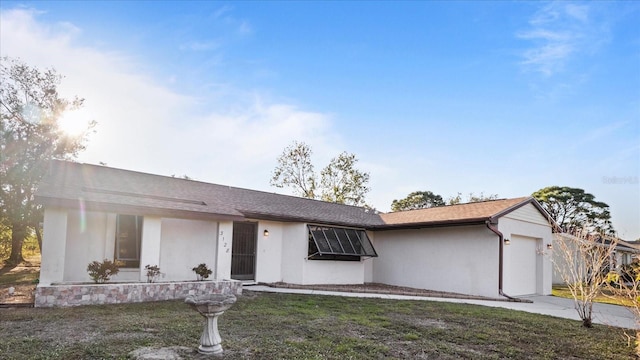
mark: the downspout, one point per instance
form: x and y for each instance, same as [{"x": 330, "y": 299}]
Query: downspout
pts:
[{"x": 501, "y": 261}]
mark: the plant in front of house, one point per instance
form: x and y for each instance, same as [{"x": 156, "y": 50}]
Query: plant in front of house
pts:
[
  {"x": 101, "y": 272},
  {"x": 202, "y": 271},
  {"x": 624, "y": 284},
  {"x": 152, "y": 272},
  {"x": 582, "y": 260}
]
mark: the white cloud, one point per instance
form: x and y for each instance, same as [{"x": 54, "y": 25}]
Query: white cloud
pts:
[
  {"x": 222, "y": 11},
  {"x": 548, "y": 59},
  {"x": 243, "y": 146},
  {"x": 546, "y": 35},
  {"x": 241, "y": 26},
  {"x": 200, "y": 45},
  {"x": 579, "y": 12},
  {"x": 558, "y": 33},
  {"x": 245, "y": 28},
  {"x": 148, "y": 127}
]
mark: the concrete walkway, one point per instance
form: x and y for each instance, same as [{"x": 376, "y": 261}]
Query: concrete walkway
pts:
[{"x": 611, "y": 315}]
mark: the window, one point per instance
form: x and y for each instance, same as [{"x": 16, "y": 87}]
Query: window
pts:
[
  {"x": 128, "y": 238},
  {"x": 331, "y": 243}
]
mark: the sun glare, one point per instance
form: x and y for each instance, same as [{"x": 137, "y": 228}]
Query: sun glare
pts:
[{"x": 75, "y": 122}]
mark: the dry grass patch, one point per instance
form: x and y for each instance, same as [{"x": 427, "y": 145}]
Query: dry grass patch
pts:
[
  {"x": 22, "y": 278},
  {"x": 290, "y": 326}
]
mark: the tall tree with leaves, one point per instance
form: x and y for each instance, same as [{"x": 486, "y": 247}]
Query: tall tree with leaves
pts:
[
  {"x": 30, "y": 108},
  {"x": 573, "y": 208},
  {"x": 455, "y": 200},
  {"x": 418, "y": 200},
  {"x": 343, "y": 183},
  {"x": 340, "y": 182},
  {"x": 296, "y": 170}
]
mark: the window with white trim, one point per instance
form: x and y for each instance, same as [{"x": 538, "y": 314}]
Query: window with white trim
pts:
[
  {"x": 334, "y": 243},
  {"x": 128, "y": 240}
]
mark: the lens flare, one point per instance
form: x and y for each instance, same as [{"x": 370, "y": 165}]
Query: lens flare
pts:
[{"x": 83, "y": 216}]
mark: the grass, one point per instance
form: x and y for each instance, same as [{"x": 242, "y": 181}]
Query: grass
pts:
[
  {"x": 290, "y": 326},
  {"x": 286, "y": 326},
  {"x": 19, "y": 277},
  {"x": 605, "y": 298}
]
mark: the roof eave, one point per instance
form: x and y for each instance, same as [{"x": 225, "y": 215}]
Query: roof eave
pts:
[
  {"x": 300, "y": 219},
  {"x": 135, "y": 209},
  {"x": 431, "y": 224}
]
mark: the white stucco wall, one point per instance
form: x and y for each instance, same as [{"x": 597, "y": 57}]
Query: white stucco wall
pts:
[
  {"x": 185, "y": 244},
  {"x": 333, "y": 272},
  {"x": 53, "y": 246},
  {"x": 223, "y": 249},
  {"x": 294, "y": 251},
  {"x": 297, "y": 269},
  {"x": 152, "y": 228},
  {"x": 269, "y": 252},
  {"x": 72, "y": 239},
  {"x": 85, "y": 243},
  {"x": 368, "y": 262},
  {"x": 529, "y": 233},
  {"x": 460, "y": 259}
]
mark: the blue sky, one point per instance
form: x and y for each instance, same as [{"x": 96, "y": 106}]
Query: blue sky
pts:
[{"x": 496, "y": 97}]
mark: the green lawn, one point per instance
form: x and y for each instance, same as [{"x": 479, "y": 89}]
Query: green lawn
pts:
[
  {"x": 605, "y": 298},
  {"x": 285, "y": 326}
]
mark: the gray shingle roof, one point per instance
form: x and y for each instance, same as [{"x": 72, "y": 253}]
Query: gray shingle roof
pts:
[
  {"x": 105, "y": 188},
  {"x": 455, "y": 214},
  {"x": 94, "y": 187}
]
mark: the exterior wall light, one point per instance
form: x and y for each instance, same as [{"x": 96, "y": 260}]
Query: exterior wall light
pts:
[
  {"x": 549, "y": 246},
  {"x": 507, "y": 242},
  {"x": 266, "y": 232}
]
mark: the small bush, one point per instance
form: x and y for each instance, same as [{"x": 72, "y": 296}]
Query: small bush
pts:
[
  {"x": 152, "y": 272},
  {"x": 202, "y": 271},
  {"x": 101, "y": 272}
]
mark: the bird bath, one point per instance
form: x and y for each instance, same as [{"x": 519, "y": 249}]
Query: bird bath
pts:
[{"x": 210, "y": 306}]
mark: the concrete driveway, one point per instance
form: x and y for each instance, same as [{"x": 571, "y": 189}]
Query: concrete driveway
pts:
[{"x": 611, "y": 315}]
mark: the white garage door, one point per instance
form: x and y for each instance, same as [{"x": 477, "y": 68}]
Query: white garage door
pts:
[{"x": 520, "y": 272}]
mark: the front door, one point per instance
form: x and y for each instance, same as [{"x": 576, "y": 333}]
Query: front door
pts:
[{"x": 243, "y": 251}]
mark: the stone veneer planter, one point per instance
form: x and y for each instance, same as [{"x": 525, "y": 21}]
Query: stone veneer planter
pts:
[{"x": 66, "y": 295}]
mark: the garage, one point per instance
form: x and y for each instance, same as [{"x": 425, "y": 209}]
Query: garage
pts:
[
  {"x": 457, "y": 249},
  {"x": 520, "y": 270}
]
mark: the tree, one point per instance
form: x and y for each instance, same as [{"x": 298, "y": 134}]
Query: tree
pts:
[
  {"x": 625, "y": 284},
  {"x": 583, "y": 261},
  {"x": 30, "y": 108},
  {"x": 454, "y": 200},
  {"x": 341, "y": 182},
  {"x": 296, "y": 170},
  {"x": 417, "y": 200},
  {"x": 5, "y": 240},
  {"x": 574, "y": 208}
]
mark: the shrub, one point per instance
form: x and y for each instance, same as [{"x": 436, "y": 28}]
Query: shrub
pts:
[
  {"x": 101, "y": 272},
  {"x": 202, "y": 271},
  {"x": 152, "y": 272}
]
